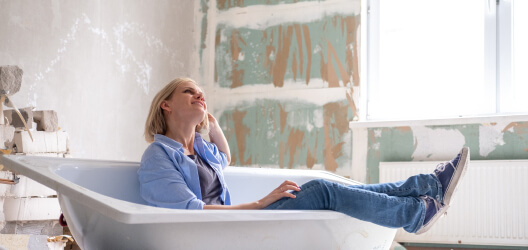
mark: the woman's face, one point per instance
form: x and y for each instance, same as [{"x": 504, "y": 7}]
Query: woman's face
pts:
[{"x": 187, "y": 103}]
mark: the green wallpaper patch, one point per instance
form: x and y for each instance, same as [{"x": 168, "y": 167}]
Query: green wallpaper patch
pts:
[
  {"x": 227, "y": 4},
  {"x": 324, "y": 49},
  {"x": 204, "y": 7},
  {"x": 387, "y": 144},
  {"x": 291, "y": 134},
  {"x": 515, "y": 143},
  {"x": 398, "y": 144}
]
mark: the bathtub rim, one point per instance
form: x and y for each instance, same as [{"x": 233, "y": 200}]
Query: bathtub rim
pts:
[{"x": 41, "y": 169}]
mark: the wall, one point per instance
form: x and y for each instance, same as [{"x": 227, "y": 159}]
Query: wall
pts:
[
  {"x": 283, "y": 80},
  {"x": 494, "y": 138},
  {"x": 98, "y": 64},
  {"x": 281, "y": 77}
]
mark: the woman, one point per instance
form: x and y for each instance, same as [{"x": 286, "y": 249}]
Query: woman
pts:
[{"x": 181, "y": 170}]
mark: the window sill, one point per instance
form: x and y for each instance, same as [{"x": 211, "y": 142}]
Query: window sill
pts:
[{"x": 439, "y": 122}]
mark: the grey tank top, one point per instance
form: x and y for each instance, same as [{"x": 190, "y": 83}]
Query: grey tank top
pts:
[{"x": 209, "y": 182}]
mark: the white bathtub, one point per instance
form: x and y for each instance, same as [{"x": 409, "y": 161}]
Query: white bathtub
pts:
[{"x": 101, "y": 203}]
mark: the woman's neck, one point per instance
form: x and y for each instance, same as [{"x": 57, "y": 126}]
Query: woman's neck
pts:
[{"x": 184, "y": 135}]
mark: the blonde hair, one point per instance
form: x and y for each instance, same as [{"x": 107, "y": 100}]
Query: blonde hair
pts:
[{"x": 156, "y": 123}]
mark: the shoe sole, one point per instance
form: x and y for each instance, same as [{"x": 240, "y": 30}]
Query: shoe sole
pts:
[
  {"x": 437, "y": 216},
  {"x": 459, "y": 173}
]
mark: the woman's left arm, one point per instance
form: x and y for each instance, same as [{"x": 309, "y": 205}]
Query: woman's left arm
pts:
[
  {"x": 281, "y": 192},
  {"x": 218, "y": 138}
]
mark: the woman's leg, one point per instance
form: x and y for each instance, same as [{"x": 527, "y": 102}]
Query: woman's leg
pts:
[
  {"x": 414, "y": 186},
  {"x": 441, "y": 184},
  {"x": 383, "y": 204},
  {"x": 378, "y": 208}
]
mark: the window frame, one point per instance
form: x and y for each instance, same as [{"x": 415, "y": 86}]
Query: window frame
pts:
[{"x": 498, "y": 53}]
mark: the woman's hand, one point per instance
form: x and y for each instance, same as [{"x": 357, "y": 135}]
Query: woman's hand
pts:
[
  {"x": 213, "y": 123},
  {"x": 279, "y": 193}
]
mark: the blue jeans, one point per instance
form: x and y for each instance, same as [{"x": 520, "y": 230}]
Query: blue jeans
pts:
[{"x": 394, "y": 205}]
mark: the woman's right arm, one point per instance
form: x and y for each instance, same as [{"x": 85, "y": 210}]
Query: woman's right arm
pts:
[{"x": 275, "y": 195}]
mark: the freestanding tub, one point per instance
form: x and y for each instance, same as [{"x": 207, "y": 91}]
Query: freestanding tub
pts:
[{"x": 101, "y": 203}]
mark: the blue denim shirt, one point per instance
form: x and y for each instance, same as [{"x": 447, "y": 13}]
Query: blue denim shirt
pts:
[{"x": 168, "y": 178}]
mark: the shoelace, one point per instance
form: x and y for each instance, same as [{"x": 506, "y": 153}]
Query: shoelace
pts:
[
  {"x": 427, "y": 199},
  {"x": 437, "y": 204},
  {"x": 440, "y": 168}
]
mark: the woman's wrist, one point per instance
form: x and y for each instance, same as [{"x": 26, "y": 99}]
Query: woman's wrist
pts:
[
  {"x": 213, "y": 130},
  {"x": 258, "y": 204},
  {"x": 251, "y": 205}
]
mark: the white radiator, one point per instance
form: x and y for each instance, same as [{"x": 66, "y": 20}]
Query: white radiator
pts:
[{"x": 490, "y": 206}]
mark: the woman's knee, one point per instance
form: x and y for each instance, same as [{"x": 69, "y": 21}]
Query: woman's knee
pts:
[
  {"x": 320, "y": 193},
  {"x": 315, "y": 183}
]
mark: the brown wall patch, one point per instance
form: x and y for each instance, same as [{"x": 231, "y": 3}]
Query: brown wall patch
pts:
[{"x": 241, "y": 132}]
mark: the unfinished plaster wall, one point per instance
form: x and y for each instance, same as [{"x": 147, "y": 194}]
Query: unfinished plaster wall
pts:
[
  {"x": 98, "y": 64},
  {"x": 500, "y": 138},
  {"x": 283, "y": 79}
]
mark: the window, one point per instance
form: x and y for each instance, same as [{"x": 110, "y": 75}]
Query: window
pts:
[
  {"x": 519, "y": 100},
  {"x": 446, "y": 58}
]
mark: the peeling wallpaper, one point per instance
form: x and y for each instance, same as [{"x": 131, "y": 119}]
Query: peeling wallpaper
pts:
[
  {"x": 285, "y": 84},
  {"x": 289, "y": 51},
  {"x": 290, "y": 134},
  {"x": 487, "y": 141},
  {"x": 226, "y": 4}
]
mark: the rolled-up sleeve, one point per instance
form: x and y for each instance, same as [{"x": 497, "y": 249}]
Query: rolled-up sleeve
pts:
[
  {"x": 162, "y": 185},
  {"x": 215, "y": 155}
]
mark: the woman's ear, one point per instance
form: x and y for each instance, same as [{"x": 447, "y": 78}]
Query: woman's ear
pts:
[{"x": 165, "y": 106}]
